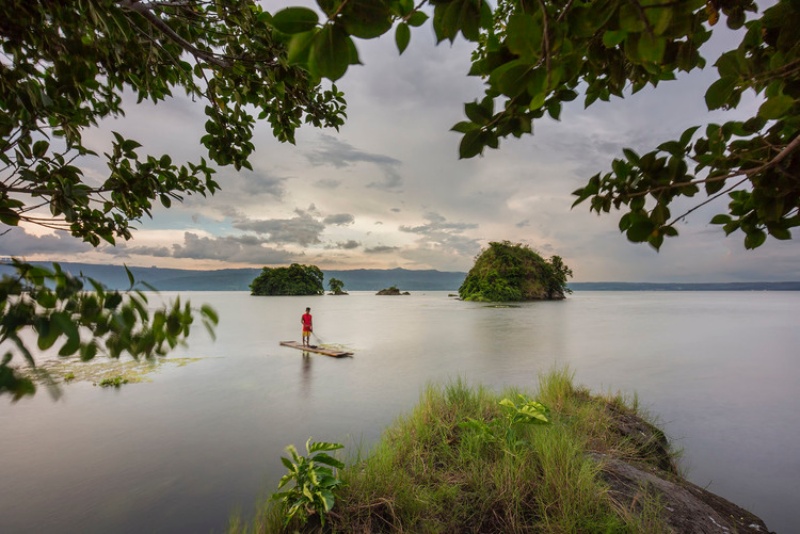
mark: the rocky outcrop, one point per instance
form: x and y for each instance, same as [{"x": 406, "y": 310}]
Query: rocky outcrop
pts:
[
  {"x": 651, "y": 476},
  {"x": 392, "y": 291}
]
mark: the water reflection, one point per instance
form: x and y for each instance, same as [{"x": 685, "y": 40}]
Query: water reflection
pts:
[{"x": 305, "y": 374}]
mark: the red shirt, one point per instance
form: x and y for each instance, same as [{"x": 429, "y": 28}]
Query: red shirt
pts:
[{"x": 306, "y": 320}]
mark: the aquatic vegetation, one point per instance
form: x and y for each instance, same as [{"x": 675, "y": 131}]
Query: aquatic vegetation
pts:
[
  {"x": 115, "y": 382},
  {"x": 73, "y": 370}
]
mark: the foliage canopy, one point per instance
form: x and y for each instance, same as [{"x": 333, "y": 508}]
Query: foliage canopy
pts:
[
  {"x": 507, "y": 272},
  {"x": 535, "y": 56},
  {"x": 293, "y": 280},
  {"x": 67, "y": 66}
]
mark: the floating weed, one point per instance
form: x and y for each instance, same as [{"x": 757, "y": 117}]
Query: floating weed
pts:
[
  {"x": 115, "y": 382},
  {"x": 99, "y": 372}
]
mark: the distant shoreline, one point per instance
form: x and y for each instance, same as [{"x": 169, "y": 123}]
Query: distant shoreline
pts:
[
  {"x": 164, "y": 279},
  {"x": 681, "y": 286}
]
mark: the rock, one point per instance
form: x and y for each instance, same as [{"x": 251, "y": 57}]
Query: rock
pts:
[
  {"x": 686, "y": 507},
  {"x": 651, "y": 475},
  {"x": 392, "y": 291}
]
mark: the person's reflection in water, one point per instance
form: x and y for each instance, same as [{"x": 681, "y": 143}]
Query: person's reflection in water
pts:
[{"x": 305, "y": 377}]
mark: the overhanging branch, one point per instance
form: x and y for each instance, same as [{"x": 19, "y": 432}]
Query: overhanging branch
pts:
[{"x": 145, "y": 10}]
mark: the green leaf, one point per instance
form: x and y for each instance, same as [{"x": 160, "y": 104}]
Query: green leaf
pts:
[
  {"x": 471, "y": 144},
  {"x": 457, "y": 15},
  {"x": 40, "y": 148},
  {"x": 402, "y": 36},
  {"x": 630, "y": 19},
  {"x": 714, "y": 186},
  {"x": 754, "y": 239},
  {"x": 327, "y": 500},
  {"x": 294, "y": 20},
  {"x": 330, "y": 53},
  {"x": 418, "y": 18},
  {"x": 673, "y": 147},
  {"x": 720, "y": 93},
  {"x": 612, "y": 38},
  {"x": 49, "y": 332},
  {"x": 365, "y": 19},
  {"x": 288, "y": 464},
  {"x": 524, "y": 36},
  {"x": 778, "y": 232},
  {"x": 464, "y": 127},
  {"x": 537, "y": 101},
  {"x": 687, "y": 135},
  {"x": 210, "y": 313},
  {"x": 477, "y": 113},
  {"x": 775, "y": 107},
  {"x": 316, "y": 446},
  {"x": 640, "y": 231},
  {"x": 299, "y": 46},
  {"x": 512, "y": 78},
  {"x": 651, "y": 48},
  {"x": 659, "y": 19},
  {"x": 328, "y": 460},
  {"x": 721, "y": 218}
]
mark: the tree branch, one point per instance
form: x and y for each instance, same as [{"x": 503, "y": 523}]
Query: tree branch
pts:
[
  {"x": 747, "y": 173},
  {"x": 145, "y": 10},
  {"x": 708, "y": 200}
]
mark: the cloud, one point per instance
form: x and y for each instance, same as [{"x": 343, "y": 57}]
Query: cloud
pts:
[
  {"x": 328, "y": 183},
  {"x": 19, "y": 243},
  {"x": 303, "y": 230},
  {"x": 340, "y": 219},
  {"x": 350, "y": 244},
  {"x": 381, "y": 249},
  {"x": 128, "y": 251},
  {"x": 264, "y": 185},
  {"x": 340, "y": 154},
  {"x": 437, "y": 224},
  {"x": 230, "y": 249}
]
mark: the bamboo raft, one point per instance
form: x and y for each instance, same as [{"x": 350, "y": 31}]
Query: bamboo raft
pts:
[{"x": 316, "y": 348}]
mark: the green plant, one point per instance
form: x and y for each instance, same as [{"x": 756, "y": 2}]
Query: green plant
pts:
[
  {"x": 69, "y": 377},
  {"x": 505, "y": 430},
  {"x": 314, "y": 477},
  {"x": 114, "y": 381}
]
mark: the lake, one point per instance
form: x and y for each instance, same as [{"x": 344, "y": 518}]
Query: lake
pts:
[{"x": 719, "y": 371}]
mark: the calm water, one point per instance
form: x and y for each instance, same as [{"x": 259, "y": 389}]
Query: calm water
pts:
[{"x": 720, "y": 371}]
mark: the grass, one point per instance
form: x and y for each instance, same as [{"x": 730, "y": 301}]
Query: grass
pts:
[{"x": 431, "y": 474}]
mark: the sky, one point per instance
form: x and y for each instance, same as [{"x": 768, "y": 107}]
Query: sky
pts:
[{"x": 388, "y": 189}]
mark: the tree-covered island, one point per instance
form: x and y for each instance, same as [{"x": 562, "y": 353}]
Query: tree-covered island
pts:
[
  {"x": 507, "y": 272},
  {"x": 293, "y": 280}
]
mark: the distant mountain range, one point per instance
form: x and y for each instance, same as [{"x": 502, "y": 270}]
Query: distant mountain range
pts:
[{"x": 114, "y": 277}]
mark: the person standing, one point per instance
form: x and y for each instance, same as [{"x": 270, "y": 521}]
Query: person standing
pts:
[{"x": 308, "y": 327}]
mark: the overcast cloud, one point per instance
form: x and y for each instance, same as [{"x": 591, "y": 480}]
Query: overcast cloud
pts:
[{"x": 388, "y": 189}]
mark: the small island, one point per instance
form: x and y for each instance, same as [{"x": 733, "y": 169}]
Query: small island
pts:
[
  {"x": 507, "y": 272},
  {"x": 392, "y": 291},
  {"x": 337, "y": 287},
  {"x": 293, "y": 280}
]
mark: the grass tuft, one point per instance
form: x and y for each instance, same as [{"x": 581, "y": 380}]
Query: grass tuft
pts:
[{"x": 431, "y": 473}]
